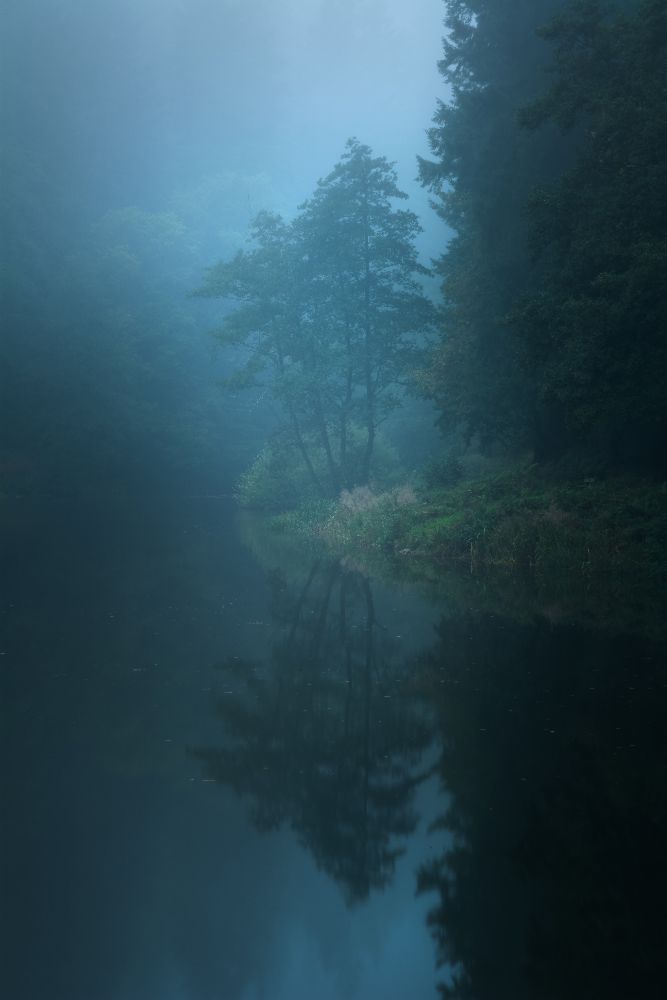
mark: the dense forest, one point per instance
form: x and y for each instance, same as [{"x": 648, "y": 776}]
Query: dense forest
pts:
[
  {"x": 545, "y": 340},
  {"x": 106, "y": 386},
  {"x": 549, "y": 168},
  {"x": 333, "y": 380}
]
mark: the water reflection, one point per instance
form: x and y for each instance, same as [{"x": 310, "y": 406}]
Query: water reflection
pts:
[
  {"x": 553, "y": 751},
  {"x": 549, "y": 742},
  {"x": 543, "y": 745},
  {"x": 325, "y": 735}
]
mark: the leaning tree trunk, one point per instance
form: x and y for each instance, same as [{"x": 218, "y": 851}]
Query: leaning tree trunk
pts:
[
  {"x": 296, "y": 429},
  {"x": 368, "y": 360}
]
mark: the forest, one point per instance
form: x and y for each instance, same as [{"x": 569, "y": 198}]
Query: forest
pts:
[
  {"x": 333, "y": 379},
  {"x": 537, "y": 335},
  {"x": 549, "y": 172}
]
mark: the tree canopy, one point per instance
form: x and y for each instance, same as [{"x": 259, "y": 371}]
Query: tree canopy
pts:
[
  {"x": 331, "y": 313},
  {"x": 555, "y": 190}
]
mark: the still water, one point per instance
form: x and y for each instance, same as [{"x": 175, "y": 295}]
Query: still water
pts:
[{"x": 233, "y": 775}]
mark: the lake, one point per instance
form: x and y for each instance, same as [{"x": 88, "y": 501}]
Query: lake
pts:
[{"x": 234, "y": 774}]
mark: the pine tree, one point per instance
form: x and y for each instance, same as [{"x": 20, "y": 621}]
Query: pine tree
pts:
[{"x": 483, "y": 171}]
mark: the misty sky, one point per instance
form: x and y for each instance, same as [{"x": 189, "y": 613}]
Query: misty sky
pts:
[{"x": 126, "y": 101}]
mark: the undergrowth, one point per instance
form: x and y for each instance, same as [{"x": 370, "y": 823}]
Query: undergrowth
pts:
[
  {"x": 585, "y": 551},
  {"x": 515, "y": 520}
]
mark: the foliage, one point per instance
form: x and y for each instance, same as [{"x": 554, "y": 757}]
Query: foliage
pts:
[
  {"x": 443, "y": 472},
  {"x": 553, "y": 328},
  {"x": 594, "y": 329},
  {"x": 363, "y": 520},
  {"x": 330, "y": 312},
  {"x": 525, "y": 540},
  {"x": 278, "y": 481},
  {"x": 107, "y": 378},
  {"x": 483, "y": 170},
  {"x": 274, "y": 481}
]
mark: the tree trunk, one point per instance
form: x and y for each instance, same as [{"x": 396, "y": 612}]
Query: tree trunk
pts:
[
  {"x": 304, "y": 452},
  {"x": 326, "y": 444},
  {"x": 346, "y": 473},
  {"x": 368, "y": 360},
  {"x": 296, "y": 430}
]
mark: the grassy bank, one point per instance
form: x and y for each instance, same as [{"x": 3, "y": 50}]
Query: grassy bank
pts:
[{"x": 586, "y": 549}]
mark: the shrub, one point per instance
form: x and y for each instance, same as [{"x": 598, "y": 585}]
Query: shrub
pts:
[
  {"x": 278, "y": 479},
  {"x": 443, "y": 472}
]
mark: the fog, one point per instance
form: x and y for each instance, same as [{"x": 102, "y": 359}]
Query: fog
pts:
[
  {"x": 139, "y": 140},
  {"x": 127, "y": 101},
  {"x": 332, "y": 522}
]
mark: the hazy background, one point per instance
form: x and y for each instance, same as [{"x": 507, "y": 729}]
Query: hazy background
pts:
[
  {"x": 139, "y": 138},
  {"x": 125, "y": 101}
]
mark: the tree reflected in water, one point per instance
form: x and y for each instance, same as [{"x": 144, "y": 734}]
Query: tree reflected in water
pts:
[
  {"x": 552, "y": 771},
  {"x": 325, "y": 735},
  {"x": 553, "y": 754}
]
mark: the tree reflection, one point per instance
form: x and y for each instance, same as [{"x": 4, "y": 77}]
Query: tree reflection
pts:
[
  {"x": 324, "y": 735},
  {"x": 553, "y": 754}
]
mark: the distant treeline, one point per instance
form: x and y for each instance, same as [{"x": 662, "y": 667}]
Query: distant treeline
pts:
[{"x": 550, "y": 167}]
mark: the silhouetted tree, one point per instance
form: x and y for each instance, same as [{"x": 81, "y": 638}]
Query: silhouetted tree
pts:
[
  {"x": 553, "y": 741},
  {"x": 594, "y": 328},
  {"x": 483, "y": 170},
  {"x": 321, "y": 737},
  {"x": 331, "y": 313},
  {"x": 553, "y": 326}
]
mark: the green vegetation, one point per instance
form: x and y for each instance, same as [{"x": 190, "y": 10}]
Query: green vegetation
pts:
[
  {"x": 277, "y": 480},
  {"x": 518, "y": 520},
  {"x": 331, "y": 314},
  {"x": 520, "y": 543},
  {"x": 555, "y": 187},
  {"x": 107, "y": 383},
  {"x": 549, "y": 368}
]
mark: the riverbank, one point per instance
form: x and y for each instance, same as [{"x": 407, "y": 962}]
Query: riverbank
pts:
[{"x": 591, "y": 549}]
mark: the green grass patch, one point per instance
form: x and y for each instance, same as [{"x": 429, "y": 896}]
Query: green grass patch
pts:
[{"x": 591, "y": 550}]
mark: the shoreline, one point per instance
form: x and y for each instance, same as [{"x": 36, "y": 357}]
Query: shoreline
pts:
[{"x": 587, "y": 551}]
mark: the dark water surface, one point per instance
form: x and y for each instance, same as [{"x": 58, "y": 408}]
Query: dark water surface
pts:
[{"x": 226, "y": 777}]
